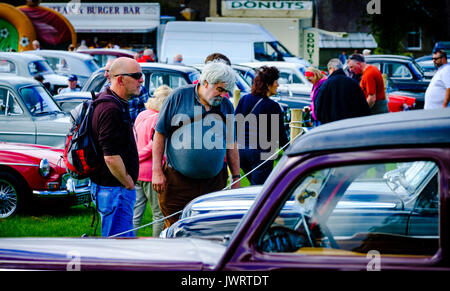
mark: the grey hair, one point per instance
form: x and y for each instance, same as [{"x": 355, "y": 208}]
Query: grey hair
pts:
[
  {"x": 335, "y": 64},
  {"x": 218, "y": 71}
]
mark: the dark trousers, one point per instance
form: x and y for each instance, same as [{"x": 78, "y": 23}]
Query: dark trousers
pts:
[
  {"x": 249, "y": 159},
  {"x": 180, "y": 190}
]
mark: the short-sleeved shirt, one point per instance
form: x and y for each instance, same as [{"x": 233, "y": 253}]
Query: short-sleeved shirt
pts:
[
  {"x": 113, "y": 135},
  {"x": 372, "y": 83},
  {"x": 197, "y": 148},
  {"x": 68, "y": 90},
  {"x": 435, "y": 94}
]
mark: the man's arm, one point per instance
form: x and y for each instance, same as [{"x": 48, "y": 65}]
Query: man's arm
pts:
[
  {"x": 233, "y": 163},
  {"x": 158, "y": 178},
  {"x": 446, "y": 98},
  {"x": 117, "y": 168}
]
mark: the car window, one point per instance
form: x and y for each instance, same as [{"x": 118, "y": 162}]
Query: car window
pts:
[
  {"x": 7, "y": 67},
  {"x": 59, "y": 65},
  {"x": 378, "y": 65},
  {"x": 162, "y": 78},
  {"x": 97, "y": 83},
  {"x": 41, "y": 67},
  {"x": 288, "y": 77},
  {"x": 8, "y": 103},
  {"x": 38, "y": 101},
  {"x": 92, "y": 66},
  {"x": 397, "y": 71},
  {"x": 392, "y": 208},
  {"x": 270, "y": 51}
]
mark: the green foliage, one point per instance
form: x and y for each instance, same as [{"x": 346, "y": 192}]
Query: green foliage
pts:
[{"x": 399, "y": 17}]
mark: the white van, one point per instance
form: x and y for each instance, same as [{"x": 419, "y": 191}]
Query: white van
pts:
[{"x": 240, "y": 42}]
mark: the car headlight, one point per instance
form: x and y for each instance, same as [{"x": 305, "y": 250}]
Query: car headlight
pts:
[{"x": 44, "y": 168}]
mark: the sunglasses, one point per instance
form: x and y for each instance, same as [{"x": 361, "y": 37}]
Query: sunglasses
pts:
[
  {"x": 135, "y": 76},
  {"x": 434, "y": 59}
]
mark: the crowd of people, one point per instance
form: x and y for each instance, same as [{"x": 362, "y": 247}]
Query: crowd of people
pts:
[{"x": 151, "y": 150}]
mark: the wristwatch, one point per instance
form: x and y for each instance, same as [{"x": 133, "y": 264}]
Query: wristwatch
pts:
[{"x": 235, "y": 177}]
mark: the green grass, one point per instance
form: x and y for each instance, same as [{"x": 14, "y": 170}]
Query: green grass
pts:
[
  {"x": 64, "y": 222},
  {"x": 69, "y": 222}
]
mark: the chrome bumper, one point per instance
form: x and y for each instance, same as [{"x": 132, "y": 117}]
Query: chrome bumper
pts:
[{"x": 71, "y": 190}]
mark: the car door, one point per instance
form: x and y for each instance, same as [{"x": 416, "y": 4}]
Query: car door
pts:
[
  {"x": 16, "y": 125},
  {"x": 289, "y": 227}
]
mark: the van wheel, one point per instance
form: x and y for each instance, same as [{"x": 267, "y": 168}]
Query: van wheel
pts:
[{"x": 10, "y": 195}]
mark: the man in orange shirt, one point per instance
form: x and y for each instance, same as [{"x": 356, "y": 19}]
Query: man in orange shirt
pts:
[{"x": 371, "y": 83}]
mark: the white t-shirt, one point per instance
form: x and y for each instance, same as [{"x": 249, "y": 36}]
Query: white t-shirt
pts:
[{"x": 434, "y": 96}]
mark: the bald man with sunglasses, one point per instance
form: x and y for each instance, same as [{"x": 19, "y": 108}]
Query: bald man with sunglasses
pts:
[{"x": 113, "y": 185}]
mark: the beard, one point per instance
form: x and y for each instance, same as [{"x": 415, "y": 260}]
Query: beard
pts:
[{"x": 215, "y": 101}]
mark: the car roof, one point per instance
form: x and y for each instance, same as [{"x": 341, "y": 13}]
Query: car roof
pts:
[
  {"x": 17, "y": 81},
  {"x": 406, "y": 128},
  {"x": 107, "y": 51},
  {"x": 62, "y": 53},
  {"x": 396, "y": 57},
  {"x": 73, "y": 95},
  {"x": 159, "y": 65},
  {"x": 279, "y": 64},
  {"x": 16, "y": 55},
  {"x": 169, "y": 67}
]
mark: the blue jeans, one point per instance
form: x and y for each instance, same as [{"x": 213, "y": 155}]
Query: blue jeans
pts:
[{"x": 115, "y": 205}]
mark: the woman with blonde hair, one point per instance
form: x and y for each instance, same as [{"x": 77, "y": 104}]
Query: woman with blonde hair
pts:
[
  {"x": 144, "y": 127},
  {"x": 317, "y": 78}
]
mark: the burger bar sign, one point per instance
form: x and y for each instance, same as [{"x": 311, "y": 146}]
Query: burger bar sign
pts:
[{"x": 269, "y": 5}]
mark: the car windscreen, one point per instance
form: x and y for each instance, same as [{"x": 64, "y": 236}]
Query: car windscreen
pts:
[
  {"x": 92, "y": 66},
  {"x": 38, "y": 101},
  {"x": 194, "y": 76},
  {"x": 418, "y": 68},
  {"x": 270, "y": 51},
  {"x": 39, "y": 67}
]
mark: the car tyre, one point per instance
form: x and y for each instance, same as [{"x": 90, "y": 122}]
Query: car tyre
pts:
[{"x": 11, "y": 195}]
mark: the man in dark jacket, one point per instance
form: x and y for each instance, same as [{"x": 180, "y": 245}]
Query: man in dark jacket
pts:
[{"x": 339, "y": 97}]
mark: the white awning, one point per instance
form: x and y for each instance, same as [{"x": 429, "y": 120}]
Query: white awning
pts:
[
  {"x": 347, "y": 40},
  {"x": 109, "y": 17}
]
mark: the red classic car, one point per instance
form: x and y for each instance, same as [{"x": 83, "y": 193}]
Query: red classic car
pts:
[{"x": 36, "y": 172}]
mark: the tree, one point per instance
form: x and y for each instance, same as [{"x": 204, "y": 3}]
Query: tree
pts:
[{"x": 398, "y": 17}]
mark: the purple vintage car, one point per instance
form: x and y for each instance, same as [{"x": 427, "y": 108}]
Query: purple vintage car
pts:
[{"x": 288, "y": 225}]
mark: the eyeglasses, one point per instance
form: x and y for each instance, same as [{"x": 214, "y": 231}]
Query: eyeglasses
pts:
[
  {"x": 135, "y": 76},
  {"x": 434, "y": 59}
]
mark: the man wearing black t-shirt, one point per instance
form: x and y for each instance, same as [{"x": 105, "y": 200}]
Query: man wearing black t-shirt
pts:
[{"x": 114, "y": 183}]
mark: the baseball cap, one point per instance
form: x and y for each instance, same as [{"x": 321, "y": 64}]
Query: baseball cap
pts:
[{"x": 73, "y": 78}]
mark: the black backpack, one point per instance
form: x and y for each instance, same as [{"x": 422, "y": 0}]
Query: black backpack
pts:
[{"x": 80, "y": 153}]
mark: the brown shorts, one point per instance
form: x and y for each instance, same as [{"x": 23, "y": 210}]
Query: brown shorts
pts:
[{"x": 180, "y": 190}]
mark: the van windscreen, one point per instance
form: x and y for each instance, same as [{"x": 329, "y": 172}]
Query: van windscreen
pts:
[{"x": 270, "y": 51}]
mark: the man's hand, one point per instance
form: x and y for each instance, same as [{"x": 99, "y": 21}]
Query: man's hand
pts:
[
  {"x": 237, "y": 184},
  {"x": 117, "y": 168},
  {"x": 158, "y": 181},
  {"x": 371, "y": 99}
]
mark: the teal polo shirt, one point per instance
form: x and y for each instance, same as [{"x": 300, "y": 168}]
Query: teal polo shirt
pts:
[{"x": 196, "y": 140}]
